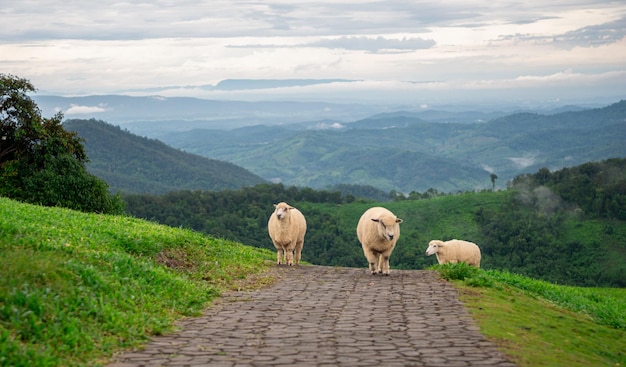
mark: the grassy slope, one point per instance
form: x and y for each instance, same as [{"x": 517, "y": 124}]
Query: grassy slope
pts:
[
  {"x": 541, "y": 324},
  {"x": 453, "y": 216},
  {"x": 75, "y": 287}
]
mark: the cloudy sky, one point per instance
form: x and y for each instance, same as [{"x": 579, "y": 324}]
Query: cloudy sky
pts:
[{"x": 418, "y": 52}]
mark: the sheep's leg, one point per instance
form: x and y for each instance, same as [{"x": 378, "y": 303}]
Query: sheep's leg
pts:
[
  {"x": 279, "y": 256},
  {"x": 298, "y": 251},
  {"x": 384, "y": 260},
  {"x": 372, "y": 258},
  {"x": 289, "y": 256},
  {"x": 379, "y": 263}
]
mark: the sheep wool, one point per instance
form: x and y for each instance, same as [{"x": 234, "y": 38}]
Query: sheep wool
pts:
[
  {"x": 455, "y": 251},
  {"x": 378, "y": 231},
  {"x": 287, "y": 228}
]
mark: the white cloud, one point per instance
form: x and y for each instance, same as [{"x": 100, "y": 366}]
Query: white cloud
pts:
[
  {"x": 83, "y": 110},
  {"x": 451, "y": 46},
  {"x": 326, "y": 126},
  {"x": 523, "y": 162}
]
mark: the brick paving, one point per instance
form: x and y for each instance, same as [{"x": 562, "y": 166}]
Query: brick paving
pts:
[{"x": 322, "y": 316}]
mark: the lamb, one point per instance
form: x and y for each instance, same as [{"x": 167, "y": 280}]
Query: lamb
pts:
[
  {"x": 287, "y": 228},
  {"x": 455, "y": 251},
  {"x": 378, "y": 231}
]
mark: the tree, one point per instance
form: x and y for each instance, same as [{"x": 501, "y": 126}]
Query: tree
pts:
[
  {"x": 494, "y": 177},
  {"x": 42, "y": 163}
]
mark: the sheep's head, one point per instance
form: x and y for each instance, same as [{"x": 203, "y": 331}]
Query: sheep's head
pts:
[
  {"x": 282, "y": 210},
  {"x": 387, "y": 226},
  {"x": 434, "y": 246}
]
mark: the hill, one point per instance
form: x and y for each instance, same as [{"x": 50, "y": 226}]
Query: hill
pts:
[
  {"x": 75, "y": 288},
  {"x": 134, "y": 164},
  {"x": 403, "y": 152},
  {"x": 565, "y": 227}
]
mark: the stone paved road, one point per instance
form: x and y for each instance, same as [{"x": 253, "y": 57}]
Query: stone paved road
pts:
[{"x": 326, "y": 316}]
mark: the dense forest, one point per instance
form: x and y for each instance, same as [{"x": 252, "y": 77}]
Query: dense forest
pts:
[
  {"x": 135, "y": 164},
  {"x": 565, "y": 226}
]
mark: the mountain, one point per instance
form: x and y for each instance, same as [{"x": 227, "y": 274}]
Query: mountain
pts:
[
  {"x": 134, "y": 164},
  {"x": 163, "y": 114},
  {"x": 153, "y": 115},
  {"x": 406, "y": 153}
]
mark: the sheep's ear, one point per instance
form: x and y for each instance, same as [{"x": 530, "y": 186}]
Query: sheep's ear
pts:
[
  {"x": 398, "y": 220},
  {"x": 275, "y": 205},
  {"x": 375, "y": 220}
]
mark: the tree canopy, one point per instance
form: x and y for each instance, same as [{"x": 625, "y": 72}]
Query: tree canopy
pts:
[{"x": 41, "y": 162}]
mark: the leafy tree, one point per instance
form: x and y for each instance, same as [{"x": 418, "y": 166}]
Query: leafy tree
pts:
[
  {"x": 493, "y": 177},
  {"x": 42, "y": 163}
]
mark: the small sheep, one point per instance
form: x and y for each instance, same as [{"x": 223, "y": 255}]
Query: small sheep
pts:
[
  {"x": 455, "y": 251},
  {"x": 378, "y": 231},
  {"x": 287, "y": 228}
]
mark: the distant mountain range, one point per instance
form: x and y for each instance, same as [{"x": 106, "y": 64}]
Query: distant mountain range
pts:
[
  {"x": 134, "y": 164},
  {"x": 176, "y": 113},
  {"x": 154, "y": 114},
  {"x": 403, "y": 150}
]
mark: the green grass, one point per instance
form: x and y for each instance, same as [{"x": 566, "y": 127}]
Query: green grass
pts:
[
  {"x": 542, "y": 324},
  {"x": 76, "y": 287}
]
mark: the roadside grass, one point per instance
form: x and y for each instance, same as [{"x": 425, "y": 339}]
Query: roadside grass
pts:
[
  {"x": 76, "y": 287},
  {"x": 542, "y": 324}
]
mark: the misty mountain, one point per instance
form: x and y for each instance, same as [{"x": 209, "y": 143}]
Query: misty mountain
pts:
[
  {"x": 164, "y": 114},
  {"x": 155, "y": 115},
  {"x": 405, "y": 153},
  {"x": 134, "y": 164}
]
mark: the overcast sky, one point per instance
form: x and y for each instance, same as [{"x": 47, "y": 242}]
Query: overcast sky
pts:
[{"x": 419, "y": 52}]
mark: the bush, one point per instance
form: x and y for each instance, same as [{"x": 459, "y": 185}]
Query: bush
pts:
[{"x": 470, "y": 275}]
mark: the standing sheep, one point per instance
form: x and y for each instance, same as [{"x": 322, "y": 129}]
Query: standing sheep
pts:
[
  {"x": 378, "y": 231},
  {"x": 455, "y": 251},
  {"x": 287, "y": 228}
]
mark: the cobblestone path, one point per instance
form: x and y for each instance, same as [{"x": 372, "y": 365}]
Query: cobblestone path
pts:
[{"x": 326, "y": 317}]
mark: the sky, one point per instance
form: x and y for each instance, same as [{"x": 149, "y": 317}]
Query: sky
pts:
[{"x": 421, "y": 53}]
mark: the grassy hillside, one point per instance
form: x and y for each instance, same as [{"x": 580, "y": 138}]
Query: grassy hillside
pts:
[
  {"x": 542, "y": 324},
  {"x": 134, "y": 164},
  {"x": 76, "y": 287},
  {"x": 562, "y": 246}
]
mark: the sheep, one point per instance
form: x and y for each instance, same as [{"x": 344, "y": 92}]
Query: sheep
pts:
[
  {"x": 378, "y": 231},
  {"x": 287, "y": 228},
  {"x": 455, "y": 251}
]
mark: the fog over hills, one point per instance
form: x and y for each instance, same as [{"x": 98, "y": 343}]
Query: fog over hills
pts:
[
  {"x": 148, "y": 114},
  {"x": 404, "y": 150}
]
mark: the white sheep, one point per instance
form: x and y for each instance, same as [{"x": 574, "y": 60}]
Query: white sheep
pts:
[
  {"x": 455, "y": 251},
  {"x": 378, "y": 231},
  {"x": 287, "y": 228}
]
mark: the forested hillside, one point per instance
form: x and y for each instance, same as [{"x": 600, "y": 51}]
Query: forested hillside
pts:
[
  {"x": 134, "y": 164},
  {"x": 402, "y": 152},
  {"x": 540, "y": 227}
]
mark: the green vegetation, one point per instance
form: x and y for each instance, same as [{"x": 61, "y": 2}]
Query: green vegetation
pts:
[
  {"x": 42, "y": 163},
  {"x": 542, "y": 324},
  {"x": 539, "y": 228},
  {"x": 134, "y": 164},
  {"x": 403, "y": 153},
  {"x": 75, "y": 287}
]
